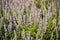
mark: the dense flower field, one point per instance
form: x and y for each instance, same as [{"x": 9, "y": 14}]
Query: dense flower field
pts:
[{"x": 29, "y": 19}]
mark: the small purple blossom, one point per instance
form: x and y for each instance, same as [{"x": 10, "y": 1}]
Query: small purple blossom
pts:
[
  {"x": 29, "y": 6},
  {"x": 40, "y": 23},
  {"x": 10, "y": 19},
  {"x": 36, "y": 15}
]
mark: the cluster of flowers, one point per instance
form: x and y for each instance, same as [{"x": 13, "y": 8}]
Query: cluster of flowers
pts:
[{"x": 29, "y": 20}]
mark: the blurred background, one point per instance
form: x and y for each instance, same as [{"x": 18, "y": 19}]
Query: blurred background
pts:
[{"x": 29, "y": 19}]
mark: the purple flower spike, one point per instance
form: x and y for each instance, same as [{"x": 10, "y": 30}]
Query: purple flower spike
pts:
[
  {"x": 40, "y": 23},
  {"x": 10, "y": 19},
  {"x": 29, "y": 6},
  {"x": 36, "y": 15}
]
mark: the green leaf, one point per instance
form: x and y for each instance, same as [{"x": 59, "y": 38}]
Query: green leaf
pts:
[
  {"x": 54, "y": 35},
  {"x": 38, "y": 4},
  {"x": 11, "y": 32},
  {"x": 10, "y": 13},
  {"x": 1, "y": 12},
  {"x": 46, "y": 4},
  {"x": 19, "y": 33},
  {"x": 6, "y": 21},
  {"x": 24, "y": 26},
  {"x": 0, "y": 16},
  {"x": 2, "y": 30},
  {"x": 49, "y": 28},
  {"x": 33, "y": 33},
  {"x": 24, "y": 12}
]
